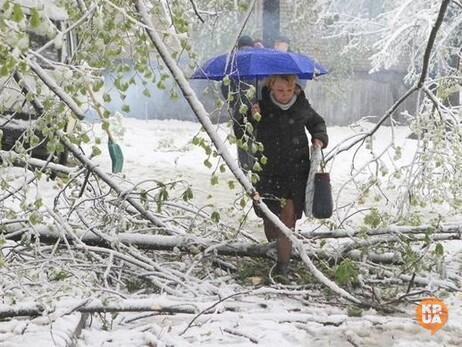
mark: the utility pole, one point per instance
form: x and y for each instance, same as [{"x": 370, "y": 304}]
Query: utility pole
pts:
[{"x": 271, "y": 22}]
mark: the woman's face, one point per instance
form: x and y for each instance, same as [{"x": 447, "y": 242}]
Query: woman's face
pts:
[{"x": 283, "y": 91}]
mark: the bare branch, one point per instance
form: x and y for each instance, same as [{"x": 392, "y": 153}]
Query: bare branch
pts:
[
  {"x": 457, "y": 3},
  {"x": 61, "y": 94},
  {"x": 337, "y": 150},
  {"x": 193, "y": 4},
  {"x": 431, "y": 41},
  {"x": 418, "y": 85}
]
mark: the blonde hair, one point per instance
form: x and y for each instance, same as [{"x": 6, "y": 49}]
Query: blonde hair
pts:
[{"x": 291, "y": 79}]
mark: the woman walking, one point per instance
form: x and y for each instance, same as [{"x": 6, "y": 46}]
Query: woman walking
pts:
[{"x": 285, "y": 114}]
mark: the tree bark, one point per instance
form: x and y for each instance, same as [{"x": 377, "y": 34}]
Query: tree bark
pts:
[
  {"x": 392, "y": 230},
  {"x": 20, "y": 310},
  {"x": 159, "y": 304},
  {"x": 186, "y": 244},
  {"x": 34, "y": 162}
]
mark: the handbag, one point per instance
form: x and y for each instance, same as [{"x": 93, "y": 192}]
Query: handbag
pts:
[{"x": 322, "y": 195}]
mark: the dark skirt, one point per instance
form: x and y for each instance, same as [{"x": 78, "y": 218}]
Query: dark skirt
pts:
[{"x": 274, "y": 190}]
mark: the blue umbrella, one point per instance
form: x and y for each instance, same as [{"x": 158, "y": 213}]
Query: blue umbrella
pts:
[{"x": 258, "y": 63}]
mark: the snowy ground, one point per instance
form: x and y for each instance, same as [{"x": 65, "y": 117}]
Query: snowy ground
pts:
[{"x": 163, "y": 150}]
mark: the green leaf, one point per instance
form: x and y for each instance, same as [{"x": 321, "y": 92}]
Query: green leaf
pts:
[
  {"x": 214, "y": 180},
  {"x": 34, "y": 140},
  {"x": 35, "y": 19},
  {"x": 126, "y": 108},
  {"x": 373, "y": 218},
  {"x": 35, "y": 218},
  {"x": 243, "y": 109},
  {"x": 18, "y": 15},
  {"x": 215, "y": 217},
  {"x": 207, "y": 163},
  {"x": 231, "y": 185},
  {"x": 38, "y": 203},
  {"x": 6, "y": 5},
  {"x": 160, "y": 85},
  {"x": 51, "y": 147},
  {"x": 174, "y": 95},
  {"x": 146, "y": 92},
  {"x": 250, "y": 93},
  {"x": 98, "y": 85},
  {"x": 256, "y": 167},
  {"x": 439, "y": 250},
  {"x": 354, "y": 311},
  {"x": 187, "y": 194},
  {"x": 163, "y": 195},
  {"x": 346, "y": 273},
  {"x": 85, "y": 138},
  {"x": 95, "y": 151},
  {"x": 249, "y": 127},
  {"x": 107, "y": 98},
  {"x": 60, "y": 275},
  {"x": 59, "y": 147},
  {"x": 196, "y": 140}
]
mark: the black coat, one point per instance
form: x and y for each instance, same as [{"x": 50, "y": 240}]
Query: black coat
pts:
[{"x": 283, "y": 135}]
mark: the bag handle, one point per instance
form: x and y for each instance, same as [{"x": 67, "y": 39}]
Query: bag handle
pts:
[{"x": 322, "y": 165}]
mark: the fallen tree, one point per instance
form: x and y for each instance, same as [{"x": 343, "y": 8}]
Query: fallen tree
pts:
[{"x": 99, "y": 245}]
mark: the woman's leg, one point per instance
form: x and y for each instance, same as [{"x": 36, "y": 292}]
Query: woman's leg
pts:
[
  {"x": 284, "y": 246},
  {"x": 271, "y": 231}
]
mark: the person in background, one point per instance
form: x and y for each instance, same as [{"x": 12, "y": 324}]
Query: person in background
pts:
[
  {"x": 285, "y": 113},
  {"x": 245, "y": 42},
  {"x": 258, "y": 43},
  {"x": 282, "y": 43}
]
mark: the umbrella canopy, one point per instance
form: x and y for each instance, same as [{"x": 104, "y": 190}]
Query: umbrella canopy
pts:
[{"x": 259, "y": 63}]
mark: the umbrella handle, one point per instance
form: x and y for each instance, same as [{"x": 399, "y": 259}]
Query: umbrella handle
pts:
[{"x": 257, "y": 91}]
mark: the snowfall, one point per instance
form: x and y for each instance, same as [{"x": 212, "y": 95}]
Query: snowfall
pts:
[{"x": 273, "y": 315}]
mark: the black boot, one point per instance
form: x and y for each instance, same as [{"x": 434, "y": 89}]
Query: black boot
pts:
[
  {"x": 281, "y": 273},
  {"x": 281, "y": 269}
]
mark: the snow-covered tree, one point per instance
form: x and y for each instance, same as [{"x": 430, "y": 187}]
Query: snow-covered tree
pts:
[{"x": 148, "y": 237}]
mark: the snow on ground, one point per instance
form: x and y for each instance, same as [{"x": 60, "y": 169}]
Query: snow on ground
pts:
[
  {"x": 163, "y": 150},
  {"x": 166, "y": 151}
]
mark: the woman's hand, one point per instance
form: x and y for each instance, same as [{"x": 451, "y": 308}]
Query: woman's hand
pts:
[
  {"x": 317, "y": 143},
  {"x": 255, "y": 109}
]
